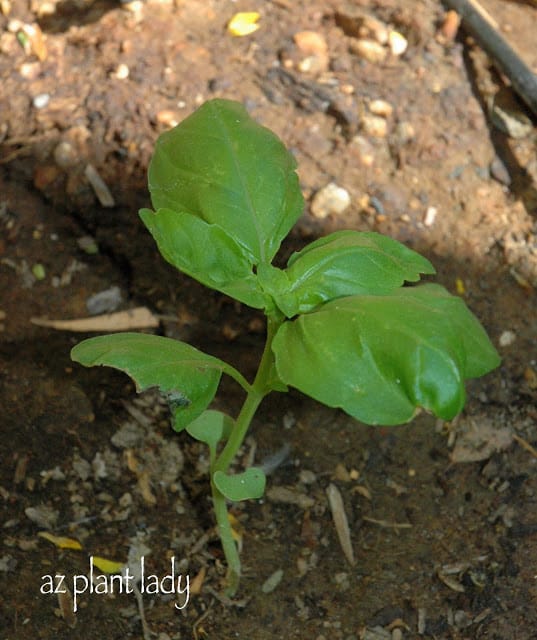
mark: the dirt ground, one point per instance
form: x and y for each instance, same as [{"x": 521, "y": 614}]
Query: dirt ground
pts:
[{"x": 443, "y": 517}]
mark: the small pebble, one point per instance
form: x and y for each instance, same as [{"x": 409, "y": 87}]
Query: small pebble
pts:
[
  {"x": 311, "y": 43},
  {"x": 168, "y": 118},
  {"x": 364, "y": 150},
  {"x": 499, "y": 172},
  {"x": 65, "y": 155},
  {"x": 430, "y": 216},
  {"x": 507, "y": 338},
  {"x": 398, "y": 43},
  {"x": 405, "y": 132},
  {"x": 39, "y": 271},
  {"x": 88, "y": 245},
  {"x": 307, "y": 477},
  {"x": 331, "y": 199},
  {"x": 374, "y": 126},
  {"x": 43, "y": 516},
  {"x": 506, "y": 116},
  {"x": 359, "y": 25},
  {"x": 104, "y": 301},
  {"x": 41, "y": 101},
  {"x": 381, "y": 108},
  {"x": 450, "y": 25},
  {"x": 272, "y": 581},
  {"x": 369, "y": 50},
  {"x": 122, "y": 72}
]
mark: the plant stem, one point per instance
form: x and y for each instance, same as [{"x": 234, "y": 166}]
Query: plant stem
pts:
[
  {"x": 258, "y": 390},
  {"x": 229, "y": 547}
]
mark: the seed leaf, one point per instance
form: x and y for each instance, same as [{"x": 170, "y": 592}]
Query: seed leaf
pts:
[
  {"x": 249, "y": 484},
  {"x": 379, "y": 358},
  {"x": 211, "y": 427},
  {"x": 222, "y": 167},
  {"x": 188, "y": 377}
]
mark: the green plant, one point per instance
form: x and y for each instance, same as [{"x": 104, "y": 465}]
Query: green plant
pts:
[{"x": 341, "y": 327}]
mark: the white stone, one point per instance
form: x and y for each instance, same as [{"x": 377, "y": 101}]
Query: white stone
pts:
[{"x": 330, "y": 199}]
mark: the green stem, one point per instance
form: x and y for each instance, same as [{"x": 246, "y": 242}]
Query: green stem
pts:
[
  {"x": 229, "y": 547},
  {"x": 257, "y": 391}
]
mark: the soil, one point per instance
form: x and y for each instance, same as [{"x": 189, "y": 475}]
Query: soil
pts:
[{"x": 443, "y": 517}]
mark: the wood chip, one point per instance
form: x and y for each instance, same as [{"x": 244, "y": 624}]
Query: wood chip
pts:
[
  {"x": 340, "y": 521},
  {"x": 138, "y": 318}
]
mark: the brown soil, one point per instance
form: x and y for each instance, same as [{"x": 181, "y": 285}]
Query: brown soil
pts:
[{"x": 444, "y": 548}]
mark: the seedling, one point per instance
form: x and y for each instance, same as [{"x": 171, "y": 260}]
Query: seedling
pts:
[{"x": 341, "y": 326}]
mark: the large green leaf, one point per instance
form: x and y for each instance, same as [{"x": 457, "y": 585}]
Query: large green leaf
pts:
[
  {"x": 344, "y": 263},
  {"x": 379, "y": 358},
  {"x": 223, "y": 167},
  {"x": 205, "y": 252},
  {"x": 186, "y": 376}
]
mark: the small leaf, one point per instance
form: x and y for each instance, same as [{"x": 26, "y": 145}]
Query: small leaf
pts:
[
  {"x": 205, "y": 252},
  {"x": 243, "y": 23},
  {"x": 187, "y": 376},
  {"x": 379, "y": 358},
  {"x": 211, "y": 427},
  {"x": 241, "y": 486},
  {"x": 346, "y": 263},
  {"x": 61, "y": 541},
  {"x": 106, "y": 565},
  {"x": 222, "y": 167}
]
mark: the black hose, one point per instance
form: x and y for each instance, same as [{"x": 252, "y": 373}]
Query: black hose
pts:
[{"x": 475, "y": 20}]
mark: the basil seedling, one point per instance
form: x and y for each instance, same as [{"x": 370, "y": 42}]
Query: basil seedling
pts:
[{"x": 341, "y": 325}]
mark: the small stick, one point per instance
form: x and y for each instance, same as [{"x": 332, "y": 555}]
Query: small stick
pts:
[
  {"x": 525, "y": 445},
  {"x": 482, "y": 27},
  {"x": 391, "y": 525}
]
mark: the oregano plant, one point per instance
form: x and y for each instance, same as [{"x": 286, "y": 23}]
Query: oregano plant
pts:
[{"x": 342, "y": 327}]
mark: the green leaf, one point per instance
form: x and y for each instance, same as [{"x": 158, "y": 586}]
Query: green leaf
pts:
[
  {"x": 379, "y": 358},
  {"x": 345, "y": 263},
  {"x": 222, "y": 167},
  {"x": 249, "y": 484},
  {"x": 186, "y": 376},
  {"x": 205, "y": 252},
  {"x": 211, "y": 427}
]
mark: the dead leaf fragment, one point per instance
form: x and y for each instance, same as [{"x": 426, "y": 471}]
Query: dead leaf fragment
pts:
[
  {"x": 137, "y": 318},
  {"x": 340, "y": 521},
  {"x": 61, "y": 541},
  {"x": 290, "y": 496},
  {"x": 43, "y": 515},
  {"x": 144, "y": 484},
  {"x": 478, "y": 439},
  {"x": 451, "y": 582},
  {"x": 106, "y": 565},
  {"x": 196, "y": 583}
]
